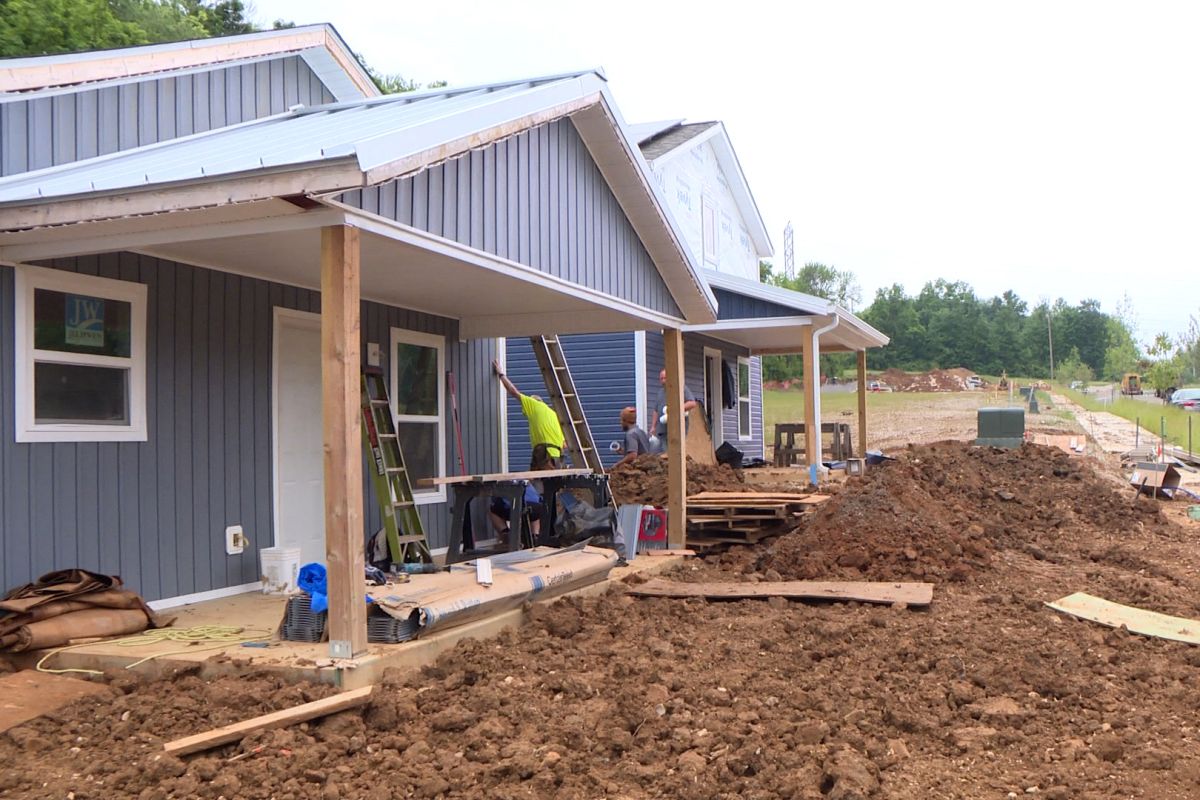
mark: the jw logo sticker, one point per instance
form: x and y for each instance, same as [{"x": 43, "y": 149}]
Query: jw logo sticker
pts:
[{"x": 85, "y": 321}]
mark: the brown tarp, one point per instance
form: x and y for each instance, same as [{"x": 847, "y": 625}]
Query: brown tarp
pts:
[{"x": 70, "y": 604}]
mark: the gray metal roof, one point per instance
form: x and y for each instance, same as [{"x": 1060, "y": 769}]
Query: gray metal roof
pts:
[
  {"x": 58, "y": 70},
  {"x": 641, "y": 131},
  {"x": 665, "y": 142},
  {"x": 372, "y": 132}
]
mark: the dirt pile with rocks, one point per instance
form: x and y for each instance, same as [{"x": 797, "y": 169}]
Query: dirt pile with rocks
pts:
[
  {"x": 942, "y": 511},
  {"x": 986, "y": 694},
  {"x": 935, "y": 380},
  {"x": 644, "y": 480}
]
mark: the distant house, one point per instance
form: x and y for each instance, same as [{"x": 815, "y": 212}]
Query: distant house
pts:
[
  {"x": 169, "y": 217},
  {"x": 710, "y": 200}
]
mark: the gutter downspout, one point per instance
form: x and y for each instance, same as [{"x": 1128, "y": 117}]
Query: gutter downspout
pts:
[{"x": 815, "y": 353}]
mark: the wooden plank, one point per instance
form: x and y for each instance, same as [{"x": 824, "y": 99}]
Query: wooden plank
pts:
[
  {"x": 781, "y": 496},
  {"x": 494, "y": 477},
  {"x": 684, "y": 553},
  {"x": 914, "y": 594},
  {"x": 1137, "y": 620},
  {"x": 340, "y": 403},
  {"x": 676, "y": 463},
  {"x": 276, "y": 719}
]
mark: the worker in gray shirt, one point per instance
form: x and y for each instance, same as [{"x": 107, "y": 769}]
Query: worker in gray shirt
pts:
[
  {"x": 660, "y": 409},
  {"x": 637, "y": 443}
]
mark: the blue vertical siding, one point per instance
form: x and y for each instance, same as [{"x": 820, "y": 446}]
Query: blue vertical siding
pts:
[
  {"x": 63, "y": 126},
  {"x": 602, "y": 368},
  {"x": 154, "y": 512},
  {"x": 537, "y": 198},
  {"x": 693, "y": 368}
]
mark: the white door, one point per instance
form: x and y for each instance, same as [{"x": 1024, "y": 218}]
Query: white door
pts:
[
  {"x": 299, "y": 460},
  {"x": 712, "y": 392}
]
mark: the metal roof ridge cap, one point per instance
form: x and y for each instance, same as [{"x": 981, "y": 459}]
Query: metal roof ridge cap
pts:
[{"x": 20, "y": 177}]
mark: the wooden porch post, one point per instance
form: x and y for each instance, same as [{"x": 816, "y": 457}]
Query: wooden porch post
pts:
[
  {"x": 862, "y": 403},
  {"x": 341, "y": 381},
  {"x": 812, "y": 385},
  {"x": 676, "y": 460}
]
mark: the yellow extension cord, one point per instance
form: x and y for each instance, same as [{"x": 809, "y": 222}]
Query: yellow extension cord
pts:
[{"x": 221, "y": 636}]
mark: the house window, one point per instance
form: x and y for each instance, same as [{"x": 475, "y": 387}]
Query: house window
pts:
[
  {"x": 80, "y": 358},
  {"x": 709, "y": 223},
  {"x": 418, "y": 400},
  {"x": 743, "y": 398}
]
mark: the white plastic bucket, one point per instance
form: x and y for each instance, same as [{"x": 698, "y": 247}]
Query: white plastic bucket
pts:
[{"x": 280, "y": 566}]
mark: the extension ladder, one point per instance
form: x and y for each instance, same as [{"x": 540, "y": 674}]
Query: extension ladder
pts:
[
  {"x": 565, "y": 401},
  {"x": 401, "y": 522}
]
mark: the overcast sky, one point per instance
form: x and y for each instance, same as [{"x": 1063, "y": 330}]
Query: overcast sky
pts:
[{"x": 1052, "y": 148}]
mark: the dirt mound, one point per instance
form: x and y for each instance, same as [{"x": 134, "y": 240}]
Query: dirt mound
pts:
[
  {"x": 941, "y": 511},
  {"x": 645, "y": 480},
  {"x": 936, "y": 380}
]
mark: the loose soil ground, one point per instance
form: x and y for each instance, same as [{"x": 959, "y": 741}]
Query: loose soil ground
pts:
[{"x": 987, "y": 694}]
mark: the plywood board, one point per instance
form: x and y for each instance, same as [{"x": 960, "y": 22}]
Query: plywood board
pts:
[
  {"x": 914, "y": 594},
  {"x": 28, "y": 695},
  {"x": 698, "y": 442},
  {"x": 1137, "y": 620}
]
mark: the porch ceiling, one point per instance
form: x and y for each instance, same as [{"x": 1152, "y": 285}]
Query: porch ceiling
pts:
[{"x": 400, "y": 266}]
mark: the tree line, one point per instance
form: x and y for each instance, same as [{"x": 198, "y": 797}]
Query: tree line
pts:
[{"x": 946, "y": 324}]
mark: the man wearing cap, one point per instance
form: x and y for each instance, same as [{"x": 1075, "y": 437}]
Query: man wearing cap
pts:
[
  {"x": 545, "y": 432},
  {"x": 637, "y": 443}
]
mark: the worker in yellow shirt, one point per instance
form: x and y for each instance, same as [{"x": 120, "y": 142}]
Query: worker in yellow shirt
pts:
[{"x": 545, "y": 432}]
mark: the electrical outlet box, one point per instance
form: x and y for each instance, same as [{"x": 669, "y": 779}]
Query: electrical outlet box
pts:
[
  {"x": 235, "y": 540},
  {"x": 374, "y": 354}
]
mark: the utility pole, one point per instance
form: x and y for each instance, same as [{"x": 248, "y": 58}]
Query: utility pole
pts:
[{"x": 1050, "y": 336}]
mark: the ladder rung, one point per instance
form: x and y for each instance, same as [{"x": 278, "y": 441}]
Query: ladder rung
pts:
[
  {"x": 395, "y": 469},
  {"x": 375, "y": 402},
  {"x": 403, "y": 504},
  {"x": 411, "y": 538},
  {"x": 387, "y": 436}
]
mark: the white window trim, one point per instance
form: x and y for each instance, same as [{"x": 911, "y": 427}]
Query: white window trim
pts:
[
  {"x": 403, "y": 335},
  {"x": 744, "y": 435},
  {"x": 27, "y": 429}
]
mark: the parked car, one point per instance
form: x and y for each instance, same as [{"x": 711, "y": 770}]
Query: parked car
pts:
[
  {"x": 878, "y": 386},
  {"x": 1077, "y": 385},
  {"x": 1187, "y": 399},
  {"x": 974, "y": 382}
]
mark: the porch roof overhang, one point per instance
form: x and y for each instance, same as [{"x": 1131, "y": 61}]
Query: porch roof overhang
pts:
[
  {"x": 313, "y": 155},
  {"x": 400, "y": 266},
  {"x": 785, "y": 335}
]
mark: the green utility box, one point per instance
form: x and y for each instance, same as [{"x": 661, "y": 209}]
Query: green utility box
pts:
[{"x": 1001, "y": 427}]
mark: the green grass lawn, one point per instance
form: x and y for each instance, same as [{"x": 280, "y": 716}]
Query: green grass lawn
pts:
[{"x": 1149, "y": 415}]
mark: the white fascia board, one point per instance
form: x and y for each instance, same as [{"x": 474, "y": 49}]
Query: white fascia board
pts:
[
  {"x": 68, "y": 245},
  {"x": 606, "y": 303},
  {"x": 704, "y": 312},
  {"x": 386, "y": 156},
  {"x": 340, "y": 175}
]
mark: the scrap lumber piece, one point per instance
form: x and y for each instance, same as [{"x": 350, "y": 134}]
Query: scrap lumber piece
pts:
[
  {"x": 276, "y": 719},
  {"x": 684, "y": 553},
  {"x": 29, "y": 694},
  {"x": 733, "y": 498},
  {"x": 911, "y": 593},
  {"x": 1137, "y": 620}
]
